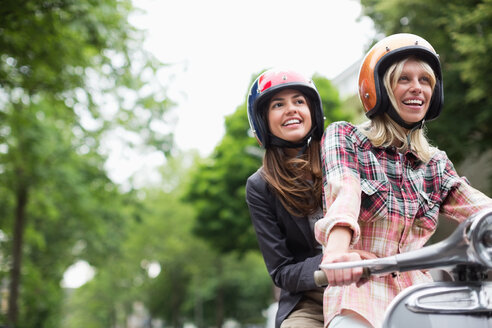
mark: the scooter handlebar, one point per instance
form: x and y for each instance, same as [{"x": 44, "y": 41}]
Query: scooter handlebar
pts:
[
  {"x": 320, "y": 278},
  {"x": 470, "y": 243},
  {"x": 321, "y": 281}
]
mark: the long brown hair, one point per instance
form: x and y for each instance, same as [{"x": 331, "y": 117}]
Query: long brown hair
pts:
[{"x": 297, "y": 181}]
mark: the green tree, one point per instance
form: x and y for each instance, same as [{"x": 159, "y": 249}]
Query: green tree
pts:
[
  {"x": 191, "y": 273},
  {"x": 461, "y": 32},
  {"x": 159, "y": 238},
  {"x": 70, "y": 201},
  {"x": 332, "y": 106},
  {"x": 216, "y": 188},
  {"x": 61, "y": 62}
]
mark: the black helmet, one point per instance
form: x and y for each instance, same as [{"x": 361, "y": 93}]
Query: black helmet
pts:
[{"x": 264, "y": 87}]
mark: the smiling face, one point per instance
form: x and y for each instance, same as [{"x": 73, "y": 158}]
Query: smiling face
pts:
[
  {"x": 412, "y": 90},
  {"x": 289, "y": 116}
]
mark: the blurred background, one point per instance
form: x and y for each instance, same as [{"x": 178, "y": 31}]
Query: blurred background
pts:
[{"x": 125, "y": 145}]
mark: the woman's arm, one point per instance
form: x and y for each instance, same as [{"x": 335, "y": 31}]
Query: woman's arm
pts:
[
  {"x": 460, "y": 199},
  {"x": 341, "y": 183},
  {"x": 339, "y": 229},
  {"x": 287, "y": 272}
]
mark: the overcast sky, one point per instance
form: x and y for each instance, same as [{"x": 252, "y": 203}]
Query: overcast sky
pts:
[
  {"x": 217, "y": 45},
  {"x": 214, "y": 47}
]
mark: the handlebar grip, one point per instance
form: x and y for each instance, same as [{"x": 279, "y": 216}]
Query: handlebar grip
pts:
[{"x": 320, "y": 277}]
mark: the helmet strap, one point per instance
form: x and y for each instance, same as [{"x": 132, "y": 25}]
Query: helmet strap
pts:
[
  {"x": 398, "y": 120},
  {"x": 281, "y": 143},
  {"x": 303, "y": 149}
]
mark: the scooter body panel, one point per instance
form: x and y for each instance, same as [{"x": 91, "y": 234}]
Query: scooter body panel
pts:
[{"x": 442, "y": 304}]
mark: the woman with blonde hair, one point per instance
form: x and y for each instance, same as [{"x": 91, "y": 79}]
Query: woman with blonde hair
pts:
[{"x": 384, "y": 186}]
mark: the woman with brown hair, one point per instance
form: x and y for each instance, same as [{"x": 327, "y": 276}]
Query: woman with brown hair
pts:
[{"x": 284, "y": 196}]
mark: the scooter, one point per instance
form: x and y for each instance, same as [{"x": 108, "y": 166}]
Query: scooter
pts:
[{"x": 464, "y": 302}]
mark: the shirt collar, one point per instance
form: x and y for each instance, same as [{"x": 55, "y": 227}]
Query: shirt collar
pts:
[
  {"x": 366, "y": 144},
  {"x": 409, "y": 155}
]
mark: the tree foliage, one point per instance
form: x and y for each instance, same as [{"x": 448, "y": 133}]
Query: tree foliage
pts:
[
  {"x": 332, "y": 106},
  {"x": 70, "y": 73},
  {"x": 69, "y": 201},
  {"x": 461, "y": 32},
  {"x": 195, "y": 283},
  {"x": 217, "y": 192},
  {"x": 158, "y": 238}
]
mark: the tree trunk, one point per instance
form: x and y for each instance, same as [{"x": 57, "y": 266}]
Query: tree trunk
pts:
[
  {"x": 219, "y": 314},
  {"x": 220, "y": 307},
  {"x": 17, "y": 242},
  {"x": 199, "y": 311}
]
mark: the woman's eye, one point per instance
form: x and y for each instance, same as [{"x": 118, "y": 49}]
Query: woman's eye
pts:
[{"x": 403, "y": 78}]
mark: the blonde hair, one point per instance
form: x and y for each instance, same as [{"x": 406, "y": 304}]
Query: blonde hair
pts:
[{"x": 382, "y": 131}]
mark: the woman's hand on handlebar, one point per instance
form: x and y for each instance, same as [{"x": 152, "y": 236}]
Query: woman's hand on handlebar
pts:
[
  {"x": 337, "y": 250},
  {"x": 343, "y": 277},
  {"x": 365, "y": 255}
]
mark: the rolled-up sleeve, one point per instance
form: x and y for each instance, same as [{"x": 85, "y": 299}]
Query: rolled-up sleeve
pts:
[
  {"x": 341, "y": 182},
  {"x": 462, "y": 200}
]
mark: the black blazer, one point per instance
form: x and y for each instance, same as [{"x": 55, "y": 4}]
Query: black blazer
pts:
[{"x": 287, "y": 243}]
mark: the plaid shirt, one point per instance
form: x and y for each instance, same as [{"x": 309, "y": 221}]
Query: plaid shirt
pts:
[{"x": 391, "y": 201}]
